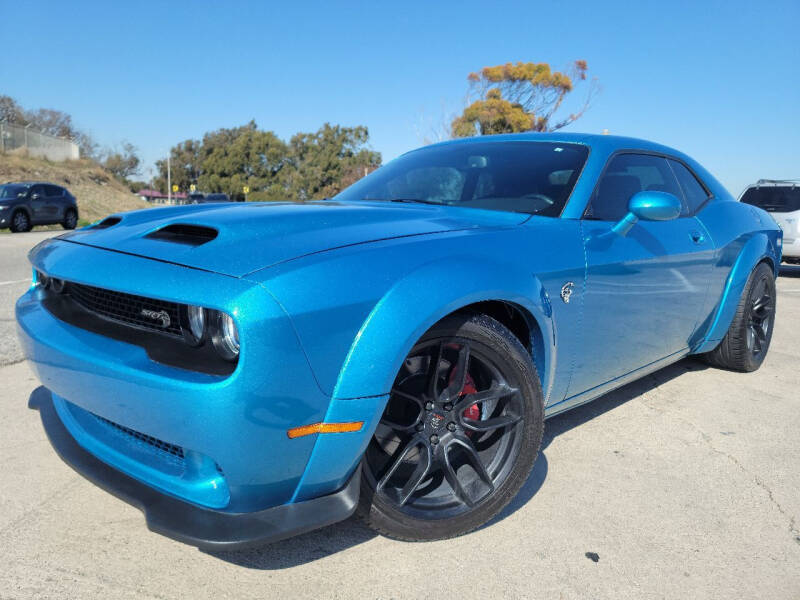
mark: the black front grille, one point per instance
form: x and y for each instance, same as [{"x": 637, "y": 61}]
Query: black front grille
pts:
[{"x": 147, "y": 313}]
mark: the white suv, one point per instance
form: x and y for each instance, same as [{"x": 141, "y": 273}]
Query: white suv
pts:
[{"x": 782, "y": 200}]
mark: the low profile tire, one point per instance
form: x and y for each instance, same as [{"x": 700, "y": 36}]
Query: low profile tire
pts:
[
  {"x": 20, "y": 222},
  {"x": 746, "y": 343},
  {"x": 70, "y": 219},
  {"x": 459, "y": 436}
]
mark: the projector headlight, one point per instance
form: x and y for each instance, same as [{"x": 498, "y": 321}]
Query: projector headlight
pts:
[
  {"x": 194, "y": 325},
  {"x": 226, "y": 337}
]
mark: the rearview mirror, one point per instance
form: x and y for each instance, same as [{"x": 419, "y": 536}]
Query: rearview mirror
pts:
[{"x": 649, "y": 206}]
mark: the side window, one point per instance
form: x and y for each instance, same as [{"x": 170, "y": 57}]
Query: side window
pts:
[
  {"x": 53, "y": 190},
  {"x": 38, "y": 189},
  {"x": 694, "y": 194},
  {"x": 626, "y": 175}
]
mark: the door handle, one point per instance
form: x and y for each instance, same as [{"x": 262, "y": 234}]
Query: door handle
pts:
[{"x": 697, "y": 237}]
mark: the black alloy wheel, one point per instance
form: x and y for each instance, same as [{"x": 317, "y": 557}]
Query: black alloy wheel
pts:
[
  {"x": 70, "y": 219},
  {"x": 459, "y": 434},
  {"x": 20, "y": 222},
  {"x": 747, "y": 340}
]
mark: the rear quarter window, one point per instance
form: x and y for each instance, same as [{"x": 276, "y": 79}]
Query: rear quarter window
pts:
[{"x": 694, "y": 193}]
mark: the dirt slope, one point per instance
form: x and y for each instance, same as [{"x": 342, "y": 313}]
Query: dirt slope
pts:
[{"x": 98, "y": 193}]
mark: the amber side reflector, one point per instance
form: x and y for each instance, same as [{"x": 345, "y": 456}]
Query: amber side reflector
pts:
[{"x": 296, "y": 432}]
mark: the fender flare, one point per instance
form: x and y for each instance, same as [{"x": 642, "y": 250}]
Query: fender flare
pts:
[
  {"x": 425, "y": 296},
  {"x": 754, "y": 251}
]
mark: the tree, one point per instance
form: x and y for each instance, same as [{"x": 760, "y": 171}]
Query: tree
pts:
[
  {"x": 123, "y": 162},
  {"x": 325, "y": 162},
  {"x": 521, "y": 97},
  {"x": 312, "y": 164}
]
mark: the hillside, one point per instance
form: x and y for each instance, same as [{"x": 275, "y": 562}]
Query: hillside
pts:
[{"x": 98, "y": 193}]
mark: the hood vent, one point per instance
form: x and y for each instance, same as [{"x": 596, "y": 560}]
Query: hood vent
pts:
[
  {"x": 182, "y": 233},
  {"x": 106, "y": 223}
]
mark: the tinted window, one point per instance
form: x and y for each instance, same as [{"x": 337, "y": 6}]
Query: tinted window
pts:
[
  {"x": 12, "y": 191},
  {"x": 626, "y": 175},
  {"x": 693, "y": 193},
  {"x": 38, "y": 189},
  {"x": 53, "y": 190},
  {"x": 529, "y": 177},
  {"x": 774, "y": 198}
]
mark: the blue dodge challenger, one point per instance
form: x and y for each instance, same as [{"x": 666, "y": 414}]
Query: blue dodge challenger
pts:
[{"x": 247, "y": 373}]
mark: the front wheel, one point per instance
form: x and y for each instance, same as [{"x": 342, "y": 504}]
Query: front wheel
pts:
[
  {"x": 20, "y": 222},
  {"x": 459, "y": 435}
]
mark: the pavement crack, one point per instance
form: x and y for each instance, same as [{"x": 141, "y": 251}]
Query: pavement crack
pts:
[{"x": 707, "y": 439}]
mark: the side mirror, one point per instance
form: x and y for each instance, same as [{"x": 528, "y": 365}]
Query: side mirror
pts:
[{"x": 649, "y": 206}]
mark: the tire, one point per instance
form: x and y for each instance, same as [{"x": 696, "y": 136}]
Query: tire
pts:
[
  {"x": 440, "y": 463},
  {"x": 20, "y": 221},
  {"x": 70, "y": 219},
  {"x": 746, "y": 343}
]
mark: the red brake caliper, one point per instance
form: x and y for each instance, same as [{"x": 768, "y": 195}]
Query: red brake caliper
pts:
[{"x": 473, "y": 412}]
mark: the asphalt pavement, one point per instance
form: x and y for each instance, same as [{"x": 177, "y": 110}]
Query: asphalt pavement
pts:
[{"x": 682, "y": 485}]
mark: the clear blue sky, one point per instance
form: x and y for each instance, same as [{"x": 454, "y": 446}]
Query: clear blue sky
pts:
[{"x": 718, "y": 80}]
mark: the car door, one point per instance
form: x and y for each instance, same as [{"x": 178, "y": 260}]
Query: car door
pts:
[
  {"x": 644, "y": 291},
  {"x": 54, "y": 207},
  {"x": 38, "y": 203}
]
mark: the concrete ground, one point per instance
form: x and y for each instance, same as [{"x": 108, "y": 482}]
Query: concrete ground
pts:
[{"x": 683, "y": 485}]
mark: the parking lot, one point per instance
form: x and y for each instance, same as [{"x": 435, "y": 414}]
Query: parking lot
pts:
[{"x": 681, "y": 485}]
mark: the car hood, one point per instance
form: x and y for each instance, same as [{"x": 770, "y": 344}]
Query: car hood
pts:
[{"x": 251, "y": 236}]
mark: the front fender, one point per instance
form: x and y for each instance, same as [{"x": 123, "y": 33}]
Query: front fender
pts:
[
  {"x": 758, "y": 247},
  {"x": 423, "y": 297}
]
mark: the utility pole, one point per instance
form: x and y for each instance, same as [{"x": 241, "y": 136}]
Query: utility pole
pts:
[{"x": 169, "y": 180}]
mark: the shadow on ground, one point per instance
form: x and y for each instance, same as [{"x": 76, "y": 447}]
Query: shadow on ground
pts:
[{"x": 324, "y": 542}]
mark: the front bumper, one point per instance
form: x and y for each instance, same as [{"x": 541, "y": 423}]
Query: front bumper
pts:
[
  {"x": 231, "y": 430},
  {"x": 205, "y": 528}
]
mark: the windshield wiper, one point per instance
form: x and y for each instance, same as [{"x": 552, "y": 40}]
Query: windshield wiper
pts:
[{"x": 408, "y": 200}]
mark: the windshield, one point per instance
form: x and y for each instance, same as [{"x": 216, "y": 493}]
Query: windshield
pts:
[
  {"x": 9, "y": 190},
  {"x": 774, "y": 198},
  {"x": 527, "y": 177}
]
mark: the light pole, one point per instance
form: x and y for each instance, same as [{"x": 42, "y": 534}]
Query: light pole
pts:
[{"x": 169, "y": 180}]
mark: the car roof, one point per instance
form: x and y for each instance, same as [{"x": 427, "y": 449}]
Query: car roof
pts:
[
  {"x": 775, "y": 183},
  {"x": 32, "y": 183},
  {"x": 610, "y": 143}
]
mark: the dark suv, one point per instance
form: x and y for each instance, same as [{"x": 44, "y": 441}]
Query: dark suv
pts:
[{"x": 29, "y": 203}]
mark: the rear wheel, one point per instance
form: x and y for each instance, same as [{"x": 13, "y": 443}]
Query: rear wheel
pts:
[
  {"x": 20, "y": 222},
  {"x": 70, "y": 219},
  {"x": 459, "y": 436},
  {"x": 746, "y": 343}
]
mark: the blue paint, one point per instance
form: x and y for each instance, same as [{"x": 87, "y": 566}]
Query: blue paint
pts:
[{"x": 330, "y": 296}]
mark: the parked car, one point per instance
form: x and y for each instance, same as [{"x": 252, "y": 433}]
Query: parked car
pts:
[
  {"x": 263, "y": 370},
  {"x": 216, "y": 198},
  {"x": 27, "y": 203},
  {"x": 195, "y": 198},
  {"x": 781, "y": 199}
]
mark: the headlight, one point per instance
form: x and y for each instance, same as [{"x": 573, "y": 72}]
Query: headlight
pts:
[
  {"x": 225, "y": 337},
  {"x": 194, "y": 325},
  {"x": 3, "y": 207},
  {"x": 57, "y": 285}
]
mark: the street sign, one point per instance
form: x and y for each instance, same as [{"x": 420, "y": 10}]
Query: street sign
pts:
[
  {"x": 174, "y": 188},
  {"x": 246, "y": 189},
  {"x": 193, "y": 188}
]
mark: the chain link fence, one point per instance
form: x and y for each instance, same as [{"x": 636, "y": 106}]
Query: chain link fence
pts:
[{"x": 13, "y": 137}]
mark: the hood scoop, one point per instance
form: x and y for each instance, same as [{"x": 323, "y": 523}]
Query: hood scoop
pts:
[
  {"x": 183, "y": 233},
  {"x": 108, "y": 222}
]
